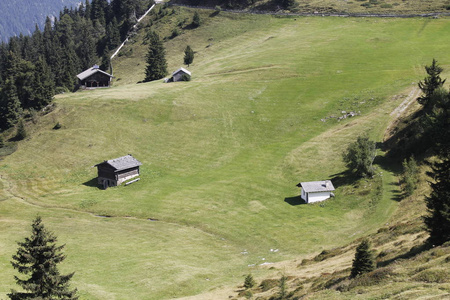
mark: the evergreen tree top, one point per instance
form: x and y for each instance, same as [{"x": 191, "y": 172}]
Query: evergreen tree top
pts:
[{"x": 37, "y": 257}]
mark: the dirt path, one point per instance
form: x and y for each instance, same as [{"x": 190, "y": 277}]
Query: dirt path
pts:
[{"x": 412, "y": 96}]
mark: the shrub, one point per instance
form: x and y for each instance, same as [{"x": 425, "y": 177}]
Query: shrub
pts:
[
  {"x": 432, "y": 275},
  {"x": 175, "y": 33},
  {"x": 57, "y": 126},
  {"x": 410, "y": 175},
  {"x": 61, "y": 90},
  {"x": 185, "y": 77},
  {"x": 359, "y": 156},
  {"x": 268, "y": 284},
  {"x": 372, "y": 278},
  {"x": 21, "y": 131},
  {"x": 2, "y": 142},
  {"x": 246, "y": 294}
]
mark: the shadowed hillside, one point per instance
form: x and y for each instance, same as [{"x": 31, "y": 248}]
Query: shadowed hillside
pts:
[{"x": 21, "y": 16}]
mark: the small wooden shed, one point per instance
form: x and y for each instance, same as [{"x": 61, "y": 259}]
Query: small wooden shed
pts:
[
  {"x": 115, "y": 171},
  {"x": 315, "y": 191},
  {"x": 93, "y": 78},
  {"x": 178, "y": 75}
]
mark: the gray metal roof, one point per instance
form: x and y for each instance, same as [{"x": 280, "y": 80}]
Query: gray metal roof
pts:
[
  {"x": 85, "y": 74},
  {"x": 317, "y": 186},
  {"x": 122, "y": 163},
  {"x": 183, "y": 70}
]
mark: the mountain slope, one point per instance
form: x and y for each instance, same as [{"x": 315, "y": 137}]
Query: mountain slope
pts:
[
  {"x": 331, "y": 6},
  {"x": 221, "y": 154},
  {"x": 21, "y": 16}
]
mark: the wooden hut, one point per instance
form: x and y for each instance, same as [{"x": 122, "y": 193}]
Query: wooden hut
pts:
[
  {"x": 115, "y": 171},
  {"x": 93, "y": 78},
  {"x": 178, "y": 75},
  {"x": 315, "y": 191}
]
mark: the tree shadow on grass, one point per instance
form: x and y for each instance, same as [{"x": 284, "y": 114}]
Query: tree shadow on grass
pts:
[
  {"x": 343, "y": 178},
  {"x": 215, "y": 13},
  {"x": 388, "y": 164},
  {"x": 396, "y": 192},
  {"x": 294, "y": 201},
  {"x": 92, "y": 183}
]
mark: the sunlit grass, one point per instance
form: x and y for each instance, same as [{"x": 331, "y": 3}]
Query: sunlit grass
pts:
[{"x": 220, "y": 154}]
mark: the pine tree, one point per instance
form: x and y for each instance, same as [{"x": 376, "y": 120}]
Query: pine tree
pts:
[
  {"x": 196, "y": 20},
  {"x": 430, "y": 83},
  {"x": 363, "y": 261},
  {"x": 282, "y": 293},
  {"x": 188, "y": 55},
  {"x": 156, "y": 61},
  {"x": 38, "y": 42},
  {"x": 249, "y": 282},
  {"x": 10, "y": 108},
  {"x": 112, "y": 35},
  {"x": 438, "y": 203},
  {"x": 38, "y": 257},
  {"x": 21, "y": 132},
  {"x": 86, "y": 50},
  {"x": 43, "y": 86}
]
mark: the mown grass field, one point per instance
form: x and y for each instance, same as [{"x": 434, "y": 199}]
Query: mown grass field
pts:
[{"x": 221, "y": 154}]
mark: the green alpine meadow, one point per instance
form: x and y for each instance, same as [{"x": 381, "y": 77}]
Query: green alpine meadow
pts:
[{"x": 221, "y": 154}]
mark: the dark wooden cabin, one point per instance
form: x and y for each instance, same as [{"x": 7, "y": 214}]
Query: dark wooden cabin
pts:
[
  {"x": 115, "y": 171},
  {"x": 94, "y": 78}
]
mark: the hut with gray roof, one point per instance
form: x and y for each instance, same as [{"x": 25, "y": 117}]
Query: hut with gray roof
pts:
[
  {"x": 115, "y": 171},
  {"x": 315, "y": 191},
  {"x": 180, "y": 75},
  {"x": 93, "y": 78}
]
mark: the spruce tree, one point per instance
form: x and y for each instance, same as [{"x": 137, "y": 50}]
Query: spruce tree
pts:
[
  {"x": 112, "y": 35},
  {"x": 249, "y": 282},
  {"x": 43, "y": 86},
  {"x": 156, "y": 60},
  {"x": 86, "y": 49},
  {"x": 282, "y": 293},
  {"x": 10, "y": 108},
  {"x": 38, "y": 257},
  {"x": 188, "y": 55},
  {"x": 363, "y": 261},
  {"x": 196, "y": 20},
  {"x": 438, "y": 203},
  {"x": 21, "y": 132},
  {"x": 430, "y": 83}
]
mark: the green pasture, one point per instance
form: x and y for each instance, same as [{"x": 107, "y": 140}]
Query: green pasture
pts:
[{"x": 221, "y": 154}]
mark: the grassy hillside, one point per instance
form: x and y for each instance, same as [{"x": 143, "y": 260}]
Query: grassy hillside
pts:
[
  {"x": 221, "y": 154},
  {"x": 336, "y": 6},
  {"x": 407, "y": 266}
]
